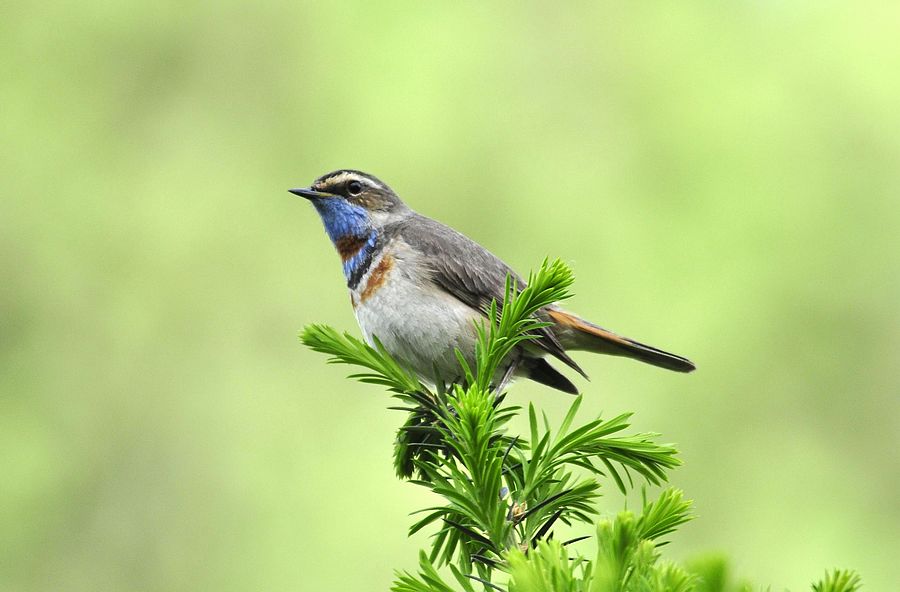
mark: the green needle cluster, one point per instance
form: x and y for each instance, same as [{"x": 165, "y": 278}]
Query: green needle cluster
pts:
[{"x": 503, "y": 495}]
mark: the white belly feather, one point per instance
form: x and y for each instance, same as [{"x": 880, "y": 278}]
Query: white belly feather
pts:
[{"x": 417, "y": 322}]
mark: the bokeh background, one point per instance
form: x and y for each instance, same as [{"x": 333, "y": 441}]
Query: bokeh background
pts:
[{"x": 722, "y": 177}]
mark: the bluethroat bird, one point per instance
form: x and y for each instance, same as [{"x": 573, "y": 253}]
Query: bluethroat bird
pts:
[{"x": 420, "y": 287}]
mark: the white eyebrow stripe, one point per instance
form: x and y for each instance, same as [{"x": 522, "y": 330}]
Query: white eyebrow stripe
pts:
[
  {"x": 345, "y": 176},
  {"x": 337, "y": 179}
]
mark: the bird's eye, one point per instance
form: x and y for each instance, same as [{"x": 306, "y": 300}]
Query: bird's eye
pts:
[{"x": 354, "y": 187}]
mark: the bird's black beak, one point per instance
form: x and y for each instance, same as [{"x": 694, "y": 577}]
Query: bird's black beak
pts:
[{"x": 309, "y": 193}]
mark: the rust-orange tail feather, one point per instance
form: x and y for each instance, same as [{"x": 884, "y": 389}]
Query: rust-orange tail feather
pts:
[{"x": 576, "y": 333}]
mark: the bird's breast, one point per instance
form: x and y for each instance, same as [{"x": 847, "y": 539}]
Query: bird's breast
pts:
[
  {"x": 417, "y": 321},
  {"x": 376, "y": 277}
]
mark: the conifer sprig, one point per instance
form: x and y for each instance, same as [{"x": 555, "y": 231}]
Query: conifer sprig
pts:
[{"x": 504, "y": 497}]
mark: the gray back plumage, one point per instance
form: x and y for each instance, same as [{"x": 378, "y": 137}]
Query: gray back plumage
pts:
[{"x": 465, "y": 269}]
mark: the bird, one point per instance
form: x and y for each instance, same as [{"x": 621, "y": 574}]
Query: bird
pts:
[{"x": 421, "y": 288}]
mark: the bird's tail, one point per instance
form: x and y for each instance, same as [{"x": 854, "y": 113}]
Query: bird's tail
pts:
[{"x": 577, "y": 333}]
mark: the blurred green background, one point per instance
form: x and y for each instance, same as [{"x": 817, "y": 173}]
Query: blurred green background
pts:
[{"x": 722, "y": 177}]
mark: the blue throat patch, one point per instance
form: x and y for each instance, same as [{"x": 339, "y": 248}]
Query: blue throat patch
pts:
[{"x": 343, "y": 220}]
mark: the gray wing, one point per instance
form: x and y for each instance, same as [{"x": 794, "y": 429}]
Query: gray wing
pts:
[{"x": 468, "y": 271}]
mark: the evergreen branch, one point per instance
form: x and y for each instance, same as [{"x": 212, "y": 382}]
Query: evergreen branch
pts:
[
  {"x": 428, "y": 579},
  {"x": 345, "y": 349},
  {"x": 545, "y": 568},
  {"x": 487, "y": 583},
  {"x": 545, "y": 528},
  {"x": 664, "y": 515},
  {"x": 503, "y": 495},
  {"x": 471, "y": 533},
  {"x": 838, "y": 581},
  {"x": 516, "y": 321},
  {"x": 637, "y": 452}
]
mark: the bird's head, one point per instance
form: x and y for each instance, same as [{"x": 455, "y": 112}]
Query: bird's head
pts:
[{"x": 352, "y": 203}]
